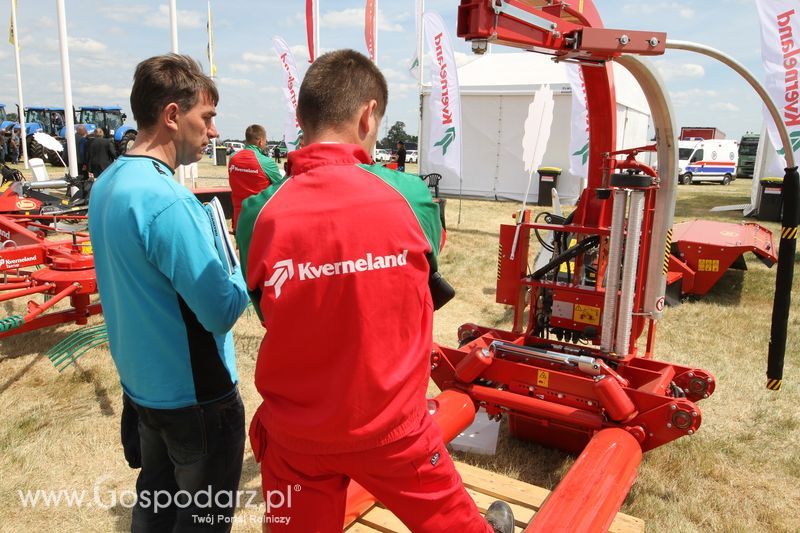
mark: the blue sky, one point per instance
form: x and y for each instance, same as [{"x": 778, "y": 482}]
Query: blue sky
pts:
[{"x": 108, "y": 38}]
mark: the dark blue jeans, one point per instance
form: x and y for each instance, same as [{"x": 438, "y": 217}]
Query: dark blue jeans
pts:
[{"x": 191, "y": 465}]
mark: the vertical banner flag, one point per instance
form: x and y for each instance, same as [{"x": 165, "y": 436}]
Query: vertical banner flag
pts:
[
  {"x": 370, "y": 28},
  {"x": 780, "y": 51},
  {"x": 11, "y": 28},
  {"x": 443, "y": 147},
  {"x": 579, "y": 129},
  {"x": 311, "y": 26},
  {"x": 210, "y": 48},
  {"x": 415, "y": 61},
  {"x": 292, "y": 131}
]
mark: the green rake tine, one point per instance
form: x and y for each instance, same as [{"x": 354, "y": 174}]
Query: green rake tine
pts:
[
  {"x": 75, "y": 342},
  {"x": 71, "y": 340},
  {"x": 79, "y": 353},
  {"x": 68, "y": 352}
]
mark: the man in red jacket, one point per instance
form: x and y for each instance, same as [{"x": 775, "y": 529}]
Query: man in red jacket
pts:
[
  {"x": 251, "y": 170},
  {"x": 337, "y": 263}
]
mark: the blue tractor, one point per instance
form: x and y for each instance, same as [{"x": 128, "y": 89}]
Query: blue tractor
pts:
[
  {"x": 112, "y": 120},
  {"x": 5, "y": 124},
  {"x": 49, "y": 120}
]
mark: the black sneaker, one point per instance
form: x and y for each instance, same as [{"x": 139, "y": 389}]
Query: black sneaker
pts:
[{"x": 500, "y": 517}]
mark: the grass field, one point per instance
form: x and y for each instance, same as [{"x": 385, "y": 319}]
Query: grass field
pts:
[{"x": 740, "y": 472}]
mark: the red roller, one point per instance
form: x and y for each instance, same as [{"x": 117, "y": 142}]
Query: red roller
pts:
[
  {"x": 452, "y": 410},
  {"x": 590, "y": 495},
  {"x": 614, "y": 400},
  {"x": 473, "y": 365}
]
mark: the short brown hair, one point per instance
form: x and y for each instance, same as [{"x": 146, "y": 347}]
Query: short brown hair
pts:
[
  {"x": 162, "y": 80},
  {"x": 335, "y": 86},
  {"x": 253, "y": 133}
]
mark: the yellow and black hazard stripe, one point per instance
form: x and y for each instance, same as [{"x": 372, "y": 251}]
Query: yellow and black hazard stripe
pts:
[
  {"x": 667, "y": 251},
  {"x": 499, "y": 259},
  {"x": 789, "y": 233},
  {"x": 774, "y": 384}
]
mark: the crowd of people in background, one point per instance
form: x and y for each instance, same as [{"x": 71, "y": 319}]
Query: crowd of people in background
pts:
[{"x": 10, "y": 147}]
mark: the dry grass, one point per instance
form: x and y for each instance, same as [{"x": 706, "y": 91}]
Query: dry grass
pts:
[{"x": 741, "y": 472}]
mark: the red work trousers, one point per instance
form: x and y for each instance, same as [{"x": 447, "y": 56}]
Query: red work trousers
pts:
[{"x": 413, "y": 477}]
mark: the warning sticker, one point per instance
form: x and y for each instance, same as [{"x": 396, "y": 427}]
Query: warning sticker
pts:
[
  {"x": 708, "y": 265},
  {"x": 543, "y": 378},
  {"x": 586, "y": 314}
]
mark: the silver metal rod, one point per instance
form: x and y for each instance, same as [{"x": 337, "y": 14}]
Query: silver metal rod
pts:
[
  {"x": 666, "y": 194},
  {"x": 583, "y": 363},
  {"x": 752, "y": 80},
  {"x": 629, "y": 267},
  {"x": 612, "y": 269}
]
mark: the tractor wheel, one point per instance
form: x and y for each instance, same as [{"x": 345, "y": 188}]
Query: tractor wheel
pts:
[
  {"x": 52, "y": 158},
  {"x": 123, "y": 143},
  {"x": 726, "y": 179},
  {"x": 687, "y": 178},
  {"x": 35, "y": 150}
]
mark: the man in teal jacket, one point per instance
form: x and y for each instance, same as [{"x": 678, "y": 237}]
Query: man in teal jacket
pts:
[{"x": 170, "y": 303}]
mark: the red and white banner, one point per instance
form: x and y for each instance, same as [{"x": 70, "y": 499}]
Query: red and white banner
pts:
[
  {"x": 780, "y": 51},
  {"x": 370, "y": 28},
  {"x": 292, "y": 131},
  {"x": 311, "y": 29},
  {"x": 443, "y": 146}
]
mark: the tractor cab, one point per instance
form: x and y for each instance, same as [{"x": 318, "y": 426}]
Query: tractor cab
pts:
[
  {"x": 5, "y": 124},
  {"x": 47, "y": 119},
  {"x": 112, "y": 120}
]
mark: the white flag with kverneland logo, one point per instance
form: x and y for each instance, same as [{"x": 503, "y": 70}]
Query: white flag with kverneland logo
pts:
[
  {"x": 292, "y": 131},
  {"x": 443, "y": 145},
  {"x": 579, "y": 128},
  {"x": 780, "y": 51}
]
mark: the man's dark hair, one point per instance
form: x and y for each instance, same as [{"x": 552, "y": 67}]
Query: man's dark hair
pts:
[
  {"x": 335, "y": 86},
  {"x": 401, "y": 143},
  {"x": 162, "y": 80},
  {"x": 253, "y": 133}
]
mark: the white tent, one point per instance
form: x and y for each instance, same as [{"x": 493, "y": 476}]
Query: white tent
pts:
[{"x": 496, "y": 90}]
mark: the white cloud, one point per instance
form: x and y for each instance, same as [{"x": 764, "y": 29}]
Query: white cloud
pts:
[
  {"x": 724, "y": 106},
  {"x": 263, "y": 59},
  {"x": 86, "y": 45},
  {"x": 671, "y": 70},
  {"x": 683, "y": 10},
  {"x": 101, "y": 91},
  {"x": 354, "y": 18},
  {"x": 692, "y": 96},
  {"x": 236, "y": 82},
  {"x": 400, "y": 89},
  {"x": 45, "y": 22},
  {"x": 155, "y": 18},
  {"x": 125, "y": 13},
  {"x": 245, "y": 67}
]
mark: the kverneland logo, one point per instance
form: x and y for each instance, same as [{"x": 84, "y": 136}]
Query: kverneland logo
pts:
[
  {"x": 291, "y": 80},
  {"x": 285, "y": 270},
  {"x": 447, "y": 115},
  {"x": 5, "y": 234},
  {"x": 791, "y": 111},
  {"x": 16, "y": 262}
]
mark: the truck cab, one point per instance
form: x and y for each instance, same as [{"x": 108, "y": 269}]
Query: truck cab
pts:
[
  {"x": 748, "y": 148},
  {"x": 707, "y": 160}
]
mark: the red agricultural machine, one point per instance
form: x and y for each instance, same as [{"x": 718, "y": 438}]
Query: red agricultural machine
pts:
[{"x": 571, "y": 372}]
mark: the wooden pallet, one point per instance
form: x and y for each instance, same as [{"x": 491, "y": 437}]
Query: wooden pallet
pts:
[{"x": 486, "y": 487}]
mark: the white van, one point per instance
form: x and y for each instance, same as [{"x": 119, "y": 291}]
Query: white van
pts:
[{"x": 707, "y": 160}]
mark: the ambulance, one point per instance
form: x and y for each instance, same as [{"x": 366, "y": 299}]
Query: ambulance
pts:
[{"x": 707, "y": 160}]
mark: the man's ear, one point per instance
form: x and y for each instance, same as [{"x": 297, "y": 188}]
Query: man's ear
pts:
[
  {"x": 364, "y": 120},
  {"x": 170, "y": 116}
]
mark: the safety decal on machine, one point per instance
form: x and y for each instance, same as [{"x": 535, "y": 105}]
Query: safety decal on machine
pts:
[
  {"x": 774, "y": 384},
  {"x": 708, "y": 265},
  {"x": 789, "y": 233},
  {"x": 499, "y": 259},
  {"x": 586, "y": 314},
  {"x": 667, "y": 251},
  {"x": 543, "y": 378}
]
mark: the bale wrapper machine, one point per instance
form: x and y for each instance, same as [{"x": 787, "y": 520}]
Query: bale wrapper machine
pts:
[{"x": 571, "y": 372}]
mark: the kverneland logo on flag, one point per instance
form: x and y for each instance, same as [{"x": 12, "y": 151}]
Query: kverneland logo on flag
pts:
[
  {"x": 447, "y": 116},
  {"x": 284, "y": 270},
  {"x": 291, "y": 80},
  {"x": 449, "y": 137},
  {"x": 791, "y": 110}
]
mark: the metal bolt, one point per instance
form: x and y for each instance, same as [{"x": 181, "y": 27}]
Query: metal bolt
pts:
[
  {"x": 590, "y": 403},
  {"x": 710, "y": 379},
  {"x": 556, "y": 34},
  {"x": 624, "y": 39},
  {"x": 650, "y": 435},
  {"x": 530, "y": 388},
  {"x": 691, "y": 374},
  {"x": 690, "y": 432},
  {"x": 705, "y": 395},
  {"x": 560, "y": 395},
  {"x": 673, "y": 406},
  {"x": 653, "y": 41},
  {"x": 553, "y": 26},
  {"x": 694, "y": 414},
  {"x": 669, "y": 425}
]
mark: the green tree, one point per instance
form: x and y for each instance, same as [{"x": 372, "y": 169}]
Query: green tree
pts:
[{"x": 396, "y": 133}]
